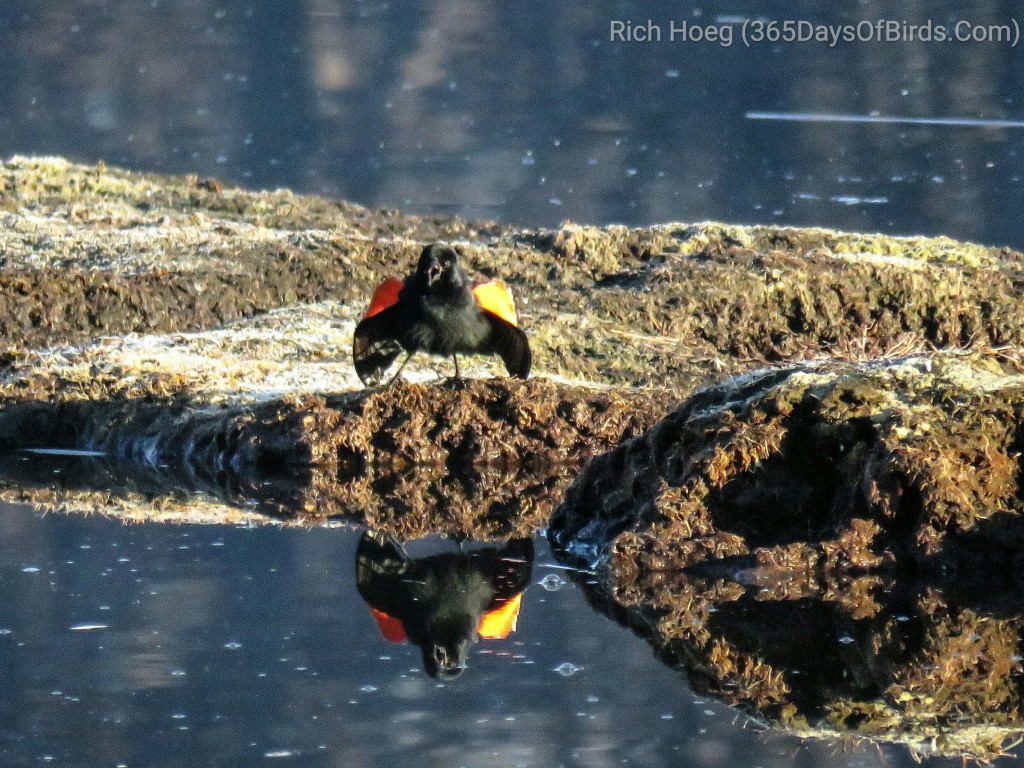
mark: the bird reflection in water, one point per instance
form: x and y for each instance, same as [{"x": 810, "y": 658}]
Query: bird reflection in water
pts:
[{"x": 444, "y": 603}]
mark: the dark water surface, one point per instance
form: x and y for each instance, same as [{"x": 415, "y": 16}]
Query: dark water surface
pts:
[
  {"x": 530, "y": 112},
  {"x": 150, "y": 645}
]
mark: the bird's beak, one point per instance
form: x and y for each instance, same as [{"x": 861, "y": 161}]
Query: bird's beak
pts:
[{"x": 433, "y": 271}]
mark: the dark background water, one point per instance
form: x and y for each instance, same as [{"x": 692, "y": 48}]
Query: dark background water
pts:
[{"x": 527, "y": 111}]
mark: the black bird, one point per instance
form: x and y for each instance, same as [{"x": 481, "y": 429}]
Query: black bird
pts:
[
  {"x": 446, "y": 602},
  {"x": 438, "y": 310}
]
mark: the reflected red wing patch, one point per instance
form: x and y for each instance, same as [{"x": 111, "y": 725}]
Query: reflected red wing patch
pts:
[
  {"x": 501, "y": 622},
  {"x": 385, "y": 296},
  {"x": 390, "y": 628},
  {"x": 495, "y": 297}
]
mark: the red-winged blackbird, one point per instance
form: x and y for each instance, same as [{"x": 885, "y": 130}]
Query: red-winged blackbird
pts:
[
  {"x": 438, "y": 310},
  {"x": 443, "y": 602}
]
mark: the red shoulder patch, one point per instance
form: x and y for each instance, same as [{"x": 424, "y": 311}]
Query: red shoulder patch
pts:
[
  {"x": 500, "y": 622},
  {"x": 390, "y": 628},
  {"x": 495, "y": 296},
  {"x": 385, "y": 296}
]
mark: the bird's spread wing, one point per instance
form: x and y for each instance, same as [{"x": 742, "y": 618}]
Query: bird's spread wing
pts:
[
  {"x": 510, "y": 344},
  {"x": 374, "y": 344},
  {"x": 505, "y": 339}
]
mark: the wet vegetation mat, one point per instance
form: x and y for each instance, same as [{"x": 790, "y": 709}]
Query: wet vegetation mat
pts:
[
  {"x": 475, "y": 458},
  {"x": 94, "y": 251},
  {"x": 787, "y": 451}
]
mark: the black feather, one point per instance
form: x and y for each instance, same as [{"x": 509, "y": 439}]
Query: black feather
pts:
[{"x": 510, "y": 344}]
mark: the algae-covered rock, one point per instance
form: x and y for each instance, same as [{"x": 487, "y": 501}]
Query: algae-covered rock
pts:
[{"x": 817, "y": 466}]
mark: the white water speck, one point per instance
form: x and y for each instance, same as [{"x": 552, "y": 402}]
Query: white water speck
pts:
[
  {"x": 279, "y": 753},
  {"x": 30, "y": 569},
  {"x": 87, "y": 627}
]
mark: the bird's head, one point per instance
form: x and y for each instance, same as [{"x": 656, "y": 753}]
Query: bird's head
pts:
[
  {"x": 446, "y": 650},
  {"x": 439, "y": 266}
]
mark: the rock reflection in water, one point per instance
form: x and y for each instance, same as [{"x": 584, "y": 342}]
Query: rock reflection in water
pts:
[
  {"x": 445, "y": 602},
  {"x": 888, "y": 659}
]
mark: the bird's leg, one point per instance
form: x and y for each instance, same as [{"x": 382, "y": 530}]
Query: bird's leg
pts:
[
  {"x": 399, "y": 371},
  {"x": 457, "y": 383}
]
